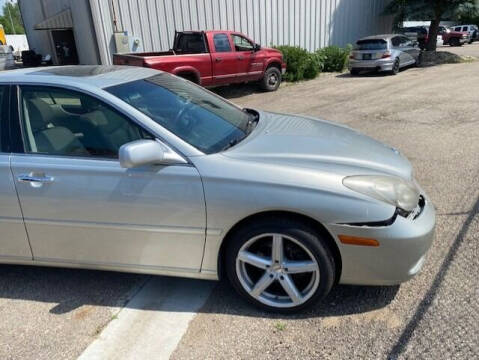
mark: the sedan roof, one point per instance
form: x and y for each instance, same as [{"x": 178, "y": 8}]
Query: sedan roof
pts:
[{"x": 89, "y": 75}]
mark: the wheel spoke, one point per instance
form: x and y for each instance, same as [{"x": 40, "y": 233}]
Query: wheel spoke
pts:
[
  {"x": 277, "y": 249},
  {"x": 253, "y": 259},
  {"x": 261, "y": 285},
  {"x": 297, "y": 267},
  {"x": 291, "y": 290}
]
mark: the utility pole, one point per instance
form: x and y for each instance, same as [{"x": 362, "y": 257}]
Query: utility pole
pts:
[{"x": 10, "y": 15}]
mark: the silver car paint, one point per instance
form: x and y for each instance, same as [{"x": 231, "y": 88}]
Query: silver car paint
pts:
[
  {"x": 156, "y": 220},
  {"x": 406, "y": 55},
  {"x": 13, "y": 243}
]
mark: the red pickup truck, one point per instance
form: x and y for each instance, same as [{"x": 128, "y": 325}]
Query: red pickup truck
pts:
[{"x": 212, "y": 58}]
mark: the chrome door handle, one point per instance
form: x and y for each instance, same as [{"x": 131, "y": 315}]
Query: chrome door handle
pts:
[
  {"x": 38, "y": 179},
  {"x": 240, "y": 57},
  {"x": 218, "y": 59}
]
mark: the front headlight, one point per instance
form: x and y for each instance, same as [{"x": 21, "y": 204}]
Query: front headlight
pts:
[{"x": 390, "y": 189}]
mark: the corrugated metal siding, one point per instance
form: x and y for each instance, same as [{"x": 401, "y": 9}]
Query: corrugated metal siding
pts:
[{"x": 308, "y": 23}]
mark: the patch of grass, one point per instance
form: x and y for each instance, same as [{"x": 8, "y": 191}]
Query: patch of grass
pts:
[{"x": 280, "y": 326}]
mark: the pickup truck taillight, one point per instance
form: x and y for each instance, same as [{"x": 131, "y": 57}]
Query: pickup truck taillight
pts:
[{"x": 386, "y": 55}]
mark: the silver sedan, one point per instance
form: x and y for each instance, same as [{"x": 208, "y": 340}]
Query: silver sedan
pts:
[
  {"x": 387, "y": 53},
  {"x": 131, "y": 169}
]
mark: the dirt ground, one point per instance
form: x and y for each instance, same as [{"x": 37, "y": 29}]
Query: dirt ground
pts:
[{"x": 433, "y": 316}]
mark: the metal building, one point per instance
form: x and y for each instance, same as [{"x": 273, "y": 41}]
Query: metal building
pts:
[{"x": 53, "y": 26}]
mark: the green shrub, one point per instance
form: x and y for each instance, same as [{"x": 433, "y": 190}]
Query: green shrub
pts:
[
  {"x": 335, "y": 58},
  {"x": 314, "y": 66},
  {"x": 300, "y": 64}
]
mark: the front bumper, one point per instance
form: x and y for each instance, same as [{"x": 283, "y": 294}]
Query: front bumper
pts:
[
  {"x": 369, "y": 65},
  {"x": 399, "y": 256}
]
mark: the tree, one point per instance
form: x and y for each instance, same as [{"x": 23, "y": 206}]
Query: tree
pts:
[
  {"x": 11, "y": 16},
  {"x": 434, "y": 10}
]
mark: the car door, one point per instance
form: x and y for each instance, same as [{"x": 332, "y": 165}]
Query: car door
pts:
[
  {"x": 13, "y": 241},
  {"x": 406, "y": 49},
  {"x": 411, "y": 52},
  {"x": 250, "y": 66},
  {"x": 80, "y": 206},
  {"x": 224, "y": 59}
]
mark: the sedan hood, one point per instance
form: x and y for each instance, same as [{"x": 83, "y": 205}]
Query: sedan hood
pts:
[{"x": 307, "y": 142}]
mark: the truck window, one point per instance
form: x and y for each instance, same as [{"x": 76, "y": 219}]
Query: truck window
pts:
[
  {"x": 222, "y": 43},
  {"x": 241, "y": 43},
  {"x": 190, "y": 43}
]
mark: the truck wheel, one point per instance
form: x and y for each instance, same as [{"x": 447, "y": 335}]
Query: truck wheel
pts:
[
  {"x": 189, "y": 77},
  {"x": 271, "y": 79},
  {"x": 454, "y": 42}
]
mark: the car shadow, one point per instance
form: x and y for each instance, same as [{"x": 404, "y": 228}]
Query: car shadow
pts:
[
  {"x": 237, "y": 90},
  {"x": 372, "y": 73},
  {"x": 70, "y": 289}
]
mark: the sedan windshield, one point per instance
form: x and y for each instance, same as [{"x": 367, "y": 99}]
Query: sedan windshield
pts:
[{"x": 197, "y": 116}]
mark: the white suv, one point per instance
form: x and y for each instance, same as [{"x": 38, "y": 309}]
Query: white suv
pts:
[{"x": 472, "y": 30}]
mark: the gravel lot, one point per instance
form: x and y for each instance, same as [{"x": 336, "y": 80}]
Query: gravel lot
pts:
[
  {"x": 55, "y": 313},
  {"x": 434, "y": 316}
]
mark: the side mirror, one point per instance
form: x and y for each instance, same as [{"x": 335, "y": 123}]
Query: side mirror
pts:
[
  {"x": 257, "y": 47},
  {"x": 147, "y": 152}
]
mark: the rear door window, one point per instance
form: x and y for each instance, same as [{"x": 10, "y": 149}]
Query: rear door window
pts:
[
  {"x": 371, "y": 44},
  {"x": 222, "y": 43},
  {"x": 3, "y": 114}
]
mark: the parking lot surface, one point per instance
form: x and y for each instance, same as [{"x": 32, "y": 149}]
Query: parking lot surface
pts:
[
  {"x": 435, "y": 315},
  {"x": 56, "y": 313}
]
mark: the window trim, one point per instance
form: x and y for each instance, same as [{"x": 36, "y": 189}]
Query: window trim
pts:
[{"x": 19, "y": 122}]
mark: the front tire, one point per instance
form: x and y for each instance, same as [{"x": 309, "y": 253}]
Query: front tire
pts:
[
  {"x": 280, "y": 265},
  {"x": 271, "y": 79},
  {"x": 454, "y": 42}
]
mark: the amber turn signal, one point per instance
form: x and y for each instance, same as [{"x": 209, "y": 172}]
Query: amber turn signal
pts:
[{"x": 354, "y": 240}]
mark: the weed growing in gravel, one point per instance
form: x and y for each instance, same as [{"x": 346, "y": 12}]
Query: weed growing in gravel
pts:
[{"x": 280, "y": 326}]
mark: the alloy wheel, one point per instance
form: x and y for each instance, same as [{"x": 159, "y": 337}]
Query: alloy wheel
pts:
[{"x": 277, "y": 270}]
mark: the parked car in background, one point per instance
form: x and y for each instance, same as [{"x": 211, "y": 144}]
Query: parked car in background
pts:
[
  {"x": 417, "y": 34},
  {"x": 420, "y": 34},
  {"x": 472, "y": 30},
  {"x": 383, "y": 53},
  {"x": 455, "y": 38},
  {"x": 7, "y": 61},
  {"x": 212, "y": 58},
  {"x": 133, "y": 169}
]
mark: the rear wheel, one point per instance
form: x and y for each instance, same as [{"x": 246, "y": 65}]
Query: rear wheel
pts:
[
  {"x": 396, "y": 67},
  {"x": 189, "y": 76},
  {"x": 271, "y": 79},
  {"x": 280, "y": 265}
]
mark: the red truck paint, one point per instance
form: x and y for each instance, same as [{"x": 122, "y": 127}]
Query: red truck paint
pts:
[
  {"x": 213, "y": 67},
  {"x": 455, "y": 38}
]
